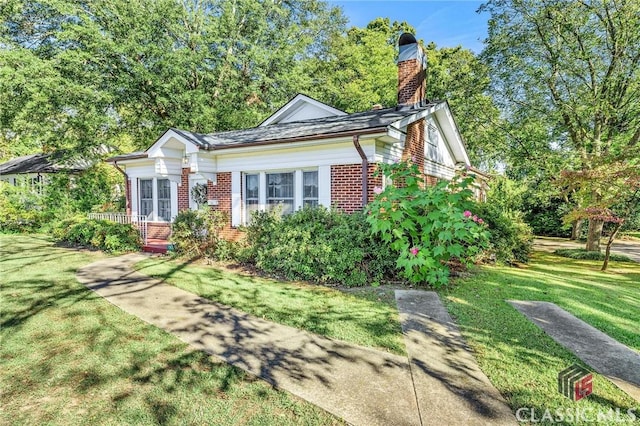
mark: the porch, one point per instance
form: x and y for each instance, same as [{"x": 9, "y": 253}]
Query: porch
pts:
[{"x": 154, "y": 235}]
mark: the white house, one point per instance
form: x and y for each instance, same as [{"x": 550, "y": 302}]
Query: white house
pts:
[{"x": 306, "y": 153}]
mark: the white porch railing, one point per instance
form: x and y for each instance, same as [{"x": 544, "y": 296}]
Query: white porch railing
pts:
[{"x": 140, "y": 222}]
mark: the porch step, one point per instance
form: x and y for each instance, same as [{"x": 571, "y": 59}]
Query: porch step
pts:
[{"x": 156, "y": 246}]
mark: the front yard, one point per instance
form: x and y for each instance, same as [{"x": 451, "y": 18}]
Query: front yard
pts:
[{"x": 69, "y": 357}]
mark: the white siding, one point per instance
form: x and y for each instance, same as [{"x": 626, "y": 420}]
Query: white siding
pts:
[
  {"x": 236, "y": 199},
  {"x": 295, "y": 158},
  {"x": 324, "y": 186}
]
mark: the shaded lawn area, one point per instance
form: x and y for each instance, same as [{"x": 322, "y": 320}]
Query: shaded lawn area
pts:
[
  {"x": 522, "y": 361},
  {"x": 364, "y": 319},
  {"x": 69, "y": 357}
]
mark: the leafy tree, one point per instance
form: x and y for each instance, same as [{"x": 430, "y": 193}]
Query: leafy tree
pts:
[
  {"x": 573, "y": 69},
  {"x": 77, "y": 74}
]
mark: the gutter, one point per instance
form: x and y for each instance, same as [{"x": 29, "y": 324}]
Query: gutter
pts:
[{"x": 365, "y": 170}]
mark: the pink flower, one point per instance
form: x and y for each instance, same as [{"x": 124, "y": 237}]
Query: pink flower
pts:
[
  {"x": 480, "y": 221},
  {"x": 475, "y": 218},
  {"x": 413, "y": 159},
  {"x": 467, "y": 213},
  {"x": 377, "y": 190},
  {"x": 414, "y": 251}
]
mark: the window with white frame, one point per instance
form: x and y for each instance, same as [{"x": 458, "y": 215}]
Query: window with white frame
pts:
[
  {"x": 282, "y": 192},
  {"x": 155, "y": 199},
  {"x": 310, "y": 189},
  {"x": 164, "y": 199},
  {"x": 251, "y": 194},
  {"x": 280, "y": 195},
  {"x": 146, "y": 196}
]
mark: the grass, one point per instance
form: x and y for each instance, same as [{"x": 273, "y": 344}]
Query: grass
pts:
[
  {"x": 366, "y": 318},
  {"x": 582, "y": 254},
  {"x": 520, "y": 359},
  {"x": 68, "y": 357}
]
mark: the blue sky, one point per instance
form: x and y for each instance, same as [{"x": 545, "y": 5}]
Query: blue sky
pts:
[{"x": 447, "y": 23}]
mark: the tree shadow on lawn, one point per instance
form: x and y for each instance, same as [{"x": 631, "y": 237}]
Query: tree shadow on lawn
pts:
[
  {"x": 310, "y": 307},
  {"x": 70, "y": 357}
]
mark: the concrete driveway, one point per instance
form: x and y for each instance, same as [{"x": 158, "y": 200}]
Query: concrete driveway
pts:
[{"x": 630, "y": 249}]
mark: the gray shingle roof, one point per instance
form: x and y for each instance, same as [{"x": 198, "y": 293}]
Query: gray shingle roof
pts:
[
  {"x": 285, "y": 132},
  {"x": 368, "y": 120},
  {"x": 37, "y": 163}
]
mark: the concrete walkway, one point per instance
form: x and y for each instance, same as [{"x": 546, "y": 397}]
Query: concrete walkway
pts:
[
  {"x": 360, "y": 385},
  {"x": 605, "y": 355},
  {"x": 450, "y": 387}
]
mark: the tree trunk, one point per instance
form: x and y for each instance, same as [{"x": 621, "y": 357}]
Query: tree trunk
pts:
[
  {"x": 576, "y": 229},
  {"x": 607, "y": 251},
  {"x": 593, "y": 234}
]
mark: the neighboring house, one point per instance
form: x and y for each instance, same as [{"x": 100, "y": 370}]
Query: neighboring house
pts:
[
  {"x": 34, "y": 170},
  {"x": 306, "y": 153}
]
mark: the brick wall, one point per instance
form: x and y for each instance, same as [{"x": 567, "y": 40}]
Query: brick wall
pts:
[
  {"x": 411, "y": 83},
  {"x": 414, "y": 144},
  {"x": 183, "y": 190},
  {"x": 160, "y": 231},
  {"x": 430, "y": 180},
  {"x": 222, "y": 192},
  {"x": 346, "y": 186}
]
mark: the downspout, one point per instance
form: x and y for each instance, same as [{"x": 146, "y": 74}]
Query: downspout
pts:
[
  {"x": 365, "y": 170},
  {"x": 127, "y": 189}
]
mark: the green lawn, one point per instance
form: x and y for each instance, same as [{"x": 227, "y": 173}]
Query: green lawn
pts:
[
  {"x": 522, "y": 361},
  {"x": 365, "y": 319},
  {"x": 68, "y": 357}
]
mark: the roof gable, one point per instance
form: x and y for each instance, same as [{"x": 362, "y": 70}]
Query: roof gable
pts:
[{"x": 300, "y": 108}]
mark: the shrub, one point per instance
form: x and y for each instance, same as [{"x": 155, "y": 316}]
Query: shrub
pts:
[
  {"x": 103, "y": 235},
  {"x": 197, "y": 234},
  {"x": 426, "y": 226},
  {"x": 582, "y": 254},
  {"x": 511, "y": 237},
  {"x": 20, "y": 209},
  {"x": 317, "y": 244}
]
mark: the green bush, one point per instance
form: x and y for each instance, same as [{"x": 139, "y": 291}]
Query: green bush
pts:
[
  {"x": 21, "y": 210},
  {"x": 197, "y": 234},
  {"x": 511, "y": 237},
  {"x": 103, "y": 235},
  {"x": 582, "y": 254},
  {"x": 426, "y": 227},
  {"x": 317, "y": 244}
]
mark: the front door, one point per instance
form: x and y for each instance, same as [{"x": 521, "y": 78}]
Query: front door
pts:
[{"x": 193, "y": 181}]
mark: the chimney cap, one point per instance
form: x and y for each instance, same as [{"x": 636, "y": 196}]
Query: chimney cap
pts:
[{"x": 407, "y": 38}]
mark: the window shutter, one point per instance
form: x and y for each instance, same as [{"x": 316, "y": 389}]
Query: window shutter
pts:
[
  {"x": 236, "y": 199},
  {"x": 324, "y": 186}
]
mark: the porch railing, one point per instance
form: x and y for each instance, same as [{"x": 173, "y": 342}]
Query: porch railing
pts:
[{"x": 139, "y": 221}]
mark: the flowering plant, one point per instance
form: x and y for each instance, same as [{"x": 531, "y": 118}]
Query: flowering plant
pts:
[{"x": 426, "y": 226}]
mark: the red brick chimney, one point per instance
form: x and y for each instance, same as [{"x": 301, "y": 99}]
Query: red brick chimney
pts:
[
  {"x": 411, "y": 94},
  {"x": 411, "y": 72}
]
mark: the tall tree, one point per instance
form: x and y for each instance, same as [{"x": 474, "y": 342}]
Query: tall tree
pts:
[
  {"x": 78, "y": 73},
  {"x": 573, "y": 68},
  {"x": 361, "y": 71}
]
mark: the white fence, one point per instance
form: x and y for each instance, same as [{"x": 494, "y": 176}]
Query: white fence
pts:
[{"x": 138, "y": 221}]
